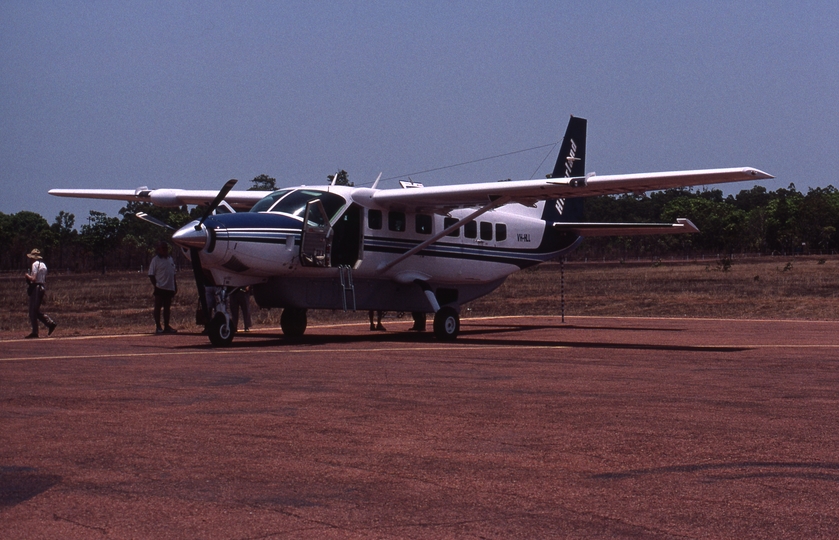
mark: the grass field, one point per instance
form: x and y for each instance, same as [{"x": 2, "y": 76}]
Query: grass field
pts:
[{"x": 757, "y": 288}]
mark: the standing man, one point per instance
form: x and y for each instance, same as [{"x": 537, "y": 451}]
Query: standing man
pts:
[
  {"x": 162, "y": 276},
  {"x": 240, "y": 299},
  {"x": 37, "y": 281}
]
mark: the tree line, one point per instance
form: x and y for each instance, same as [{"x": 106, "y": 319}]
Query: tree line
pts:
[
  {"x": 754, "y": 221},
  {"x": 784, "y": 221}
]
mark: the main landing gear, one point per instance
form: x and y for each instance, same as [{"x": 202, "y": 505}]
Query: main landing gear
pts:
[
  {"x": 446, "y": 324},
  {"x": 446, "y": 319},
  {"x": 293, "y": 322}
]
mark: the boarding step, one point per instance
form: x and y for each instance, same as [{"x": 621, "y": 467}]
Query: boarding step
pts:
[{"x": 347, "y": 287}]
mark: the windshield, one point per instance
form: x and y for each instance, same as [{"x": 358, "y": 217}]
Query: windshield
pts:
[
  {"x": 264, "y": 204},
  {"x": 294, "y": 202}
]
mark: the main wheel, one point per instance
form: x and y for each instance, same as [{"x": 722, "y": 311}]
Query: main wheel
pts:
[
  {"x": 219, "y": 331},
  {"x": 446, "y": 324},
  {"x": 293, "y": 322}
]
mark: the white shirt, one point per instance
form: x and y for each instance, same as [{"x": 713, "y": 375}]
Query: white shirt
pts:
[
  {"x": 163, "y": 270},
  {"x": 39, "y": 272}
]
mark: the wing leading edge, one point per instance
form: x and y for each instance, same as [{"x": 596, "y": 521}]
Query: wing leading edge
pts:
[
  {"x": 444, "y": 198},
  {"x": 165, "y": 197}
]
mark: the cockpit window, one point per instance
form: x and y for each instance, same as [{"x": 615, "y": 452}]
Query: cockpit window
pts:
[
  {"x": 293, "y": 202},
  {"x": 264, "y": 204}
]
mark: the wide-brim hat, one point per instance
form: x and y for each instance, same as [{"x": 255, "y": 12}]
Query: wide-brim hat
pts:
[{"x": 34, "y": 254}]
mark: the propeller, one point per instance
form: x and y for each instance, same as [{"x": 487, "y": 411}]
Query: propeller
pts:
[{"x": 225, "y": 189}]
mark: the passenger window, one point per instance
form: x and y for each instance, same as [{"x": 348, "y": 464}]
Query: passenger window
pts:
[
  {"x": 486, "y": 230},
  {"x": 396, "y": 221},
  {"x": 423, "y": 223},
  {"x": 470, "y": 230},
  {"x": 448, "y": 222},
  {"x": 500, "y": 232},
  {"x": 374, "y": 219}
]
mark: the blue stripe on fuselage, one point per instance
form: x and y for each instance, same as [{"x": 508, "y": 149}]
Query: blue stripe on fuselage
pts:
[{"x": 255, "y": 220}]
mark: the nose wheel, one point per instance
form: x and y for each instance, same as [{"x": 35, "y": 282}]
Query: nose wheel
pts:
[
  {"x": 446, "y": 324},
  {"x": 219, "y": 331}
]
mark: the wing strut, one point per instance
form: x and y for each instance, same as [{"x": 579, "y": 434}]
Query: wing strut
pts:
[{"x": 501, "y": 201}]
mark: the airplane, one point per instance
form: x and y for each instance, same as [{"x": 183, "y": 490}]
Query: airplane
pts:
[{"x": 409, "y": 249}]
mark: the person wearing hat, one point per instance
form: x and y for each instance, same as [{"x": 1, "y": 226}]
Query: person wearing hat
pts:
[
  {"x": 37, "y": 279},
  {"x": 162, "y": 276}
]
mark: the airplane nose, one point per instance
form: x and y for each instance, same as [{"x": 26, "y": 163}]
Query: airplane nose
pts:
[{"x": 189, "y": 237}]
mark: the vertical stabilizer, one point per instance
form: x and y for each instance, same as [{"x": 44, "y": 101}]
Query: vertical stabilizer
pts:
[{"x": 571, "y": 162}]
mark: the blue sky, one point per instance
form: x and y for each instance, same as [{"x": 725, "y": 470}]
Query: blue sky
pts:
[{"x": 189, "y": 94}]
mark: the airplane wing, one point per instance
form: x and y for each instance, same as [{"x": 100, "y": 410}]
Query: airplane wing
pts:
[
  {"x": 165, "y": 197},
  {"x": 445, "y": 198}
]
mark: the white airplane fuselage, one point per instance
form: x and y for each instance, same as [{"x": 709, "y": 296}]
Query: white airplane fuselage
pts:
[{"x": 353, "y": 269}]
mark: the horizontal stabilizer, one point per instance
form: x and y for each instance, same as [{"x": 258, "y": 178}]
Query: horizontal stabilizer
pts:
[
  {"x": 153, "y": 220},
  {"x": 681, "y": 226}
]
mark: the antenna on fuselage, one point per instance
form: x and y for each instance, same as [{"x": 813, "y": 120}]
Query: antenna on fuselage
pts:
[{"x": 376, "y": 183}]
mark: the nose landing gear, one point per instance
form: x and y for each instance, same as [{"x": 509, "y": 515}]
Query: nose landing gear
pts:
[{"x": 219, "y": 330}]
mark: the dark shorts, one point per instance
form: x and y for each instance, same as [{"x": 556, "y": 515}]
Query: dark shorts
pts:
[{"x": 164, "y": 293}]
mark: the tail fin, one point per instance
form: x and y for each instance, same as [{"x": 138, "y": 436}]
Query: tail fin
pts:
[{"x": 571, "y": 162}]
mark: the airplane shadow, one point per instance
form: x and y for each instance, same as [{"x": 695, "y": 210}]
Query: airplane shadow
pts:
[
  {"x": 563, "y": 326},
  {"x": 469, "y": 336},
  {"x": 825, "y": 471},
  {"x": 19, "y": 484}
]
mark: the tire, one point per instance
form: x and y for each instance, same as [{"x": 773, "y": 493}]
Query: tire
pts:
[
  {"x": 446, "y": 324},
  {"x": 293, "y": 322},
  {"x": 219, "y": 331}
]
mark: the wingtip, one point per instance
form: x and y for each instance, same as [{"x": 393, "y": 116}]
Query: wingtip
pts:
[{"x": 758, "y": 174}]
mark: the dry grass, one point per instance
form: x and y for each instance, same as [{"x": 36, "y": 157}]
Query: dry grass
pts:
[
  {"x": 763, "y": 288},
  {"x": 760, "y": 288}
]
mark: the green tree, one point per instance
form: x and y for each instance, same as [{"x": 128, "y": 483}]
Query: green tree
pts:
[
  {"x": 5, "y": 239},
  {"x": 719, "y": 222},
  {"x": 100, "y": 235},
  {"x": 818, "y": 218},
  {"x": 782, "y": 228},
  {"x": 65, "y": 235},
  {"x": 26, "y": 231},
  {"x": 343, "y": 178},
  {"x": 263, "y": 182}
]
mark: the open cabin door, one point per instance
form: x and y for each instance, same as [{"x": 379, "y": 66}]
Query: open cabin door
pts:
[{"x": 316, "y": 241}]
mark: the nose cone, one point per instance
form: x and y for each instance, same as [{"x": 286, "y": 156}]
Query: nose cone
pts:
[{"x": 188, "y": 237}]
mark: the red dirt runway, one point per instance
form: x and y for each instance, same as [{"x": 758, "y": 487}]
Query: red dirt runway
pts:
[{"x": 524, "y": 427}]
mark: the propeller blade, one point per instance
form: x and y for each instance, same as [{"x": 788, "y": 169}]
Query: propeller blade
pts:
[
  {"x": 217, "y": 201},
  {"x": 199, "y": 281},
  {"x": 153, "y": 220}
]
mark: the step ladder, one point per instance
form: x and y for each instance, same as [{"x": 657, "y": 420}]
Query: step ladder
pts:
[{"x": 347, "y": 287}]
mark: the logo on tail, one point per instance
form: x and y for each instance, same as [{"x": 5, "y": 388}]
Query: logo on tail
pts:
[{"x": 570, "y": 163}]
